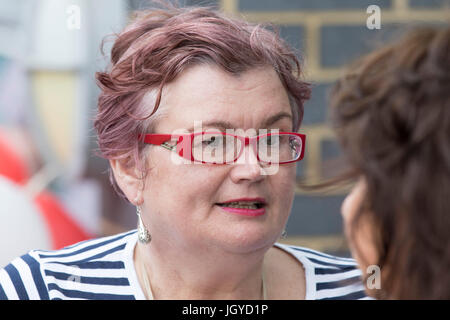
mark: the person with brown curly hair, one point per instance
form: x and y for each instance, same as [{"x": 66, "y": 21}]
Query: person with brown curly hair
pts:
[{"x": 391, "y": 113}]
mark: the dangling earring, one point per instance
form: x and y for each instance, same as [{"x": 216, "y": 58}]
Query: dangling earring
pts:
[
  {"x": 284, "y": 234},
  {"x": 143, "y": 234}
]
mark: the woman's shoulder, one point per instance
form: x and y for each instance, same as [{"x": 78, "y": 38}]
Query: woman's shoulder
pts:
[
  {"x": 76, "y": 271},
  {"x": 328, "y": 276},
  {"x": 318, "y": 258}
]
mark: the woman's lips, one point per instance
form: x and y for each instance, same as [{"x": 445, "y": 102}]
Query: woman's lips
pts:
[{"x": 245, "y": 212}]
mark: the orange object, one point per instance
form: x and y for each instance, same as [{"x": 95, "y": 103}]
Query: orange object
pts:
[
  {"x": 11, "y": 165},
  {"x": 62, "y": 229}
]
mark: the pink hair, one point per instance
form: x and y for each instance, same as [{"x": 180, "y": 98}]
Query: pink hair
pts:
[{"x": 157, "y": 46}]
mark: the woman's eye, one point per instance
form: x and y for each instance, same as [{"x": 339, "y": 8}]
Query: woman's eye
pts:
[
  {"x": 210, "y": 141},
  {"x": 272, "y": 141}
]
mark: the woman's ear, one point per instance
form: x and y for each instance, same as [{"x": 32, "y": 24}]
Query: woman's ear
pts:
[{"x": 129, "y": 179}]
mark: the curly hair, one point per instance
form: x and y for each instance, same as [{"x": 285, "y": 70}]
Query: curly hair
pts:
[
  {"x": 157, "y": 46},
  {"x": 391, "y": 113}
]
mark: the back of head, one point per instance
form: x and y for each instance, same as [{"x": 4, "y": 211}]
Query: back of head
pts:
[{"x": 391, "y": 113}]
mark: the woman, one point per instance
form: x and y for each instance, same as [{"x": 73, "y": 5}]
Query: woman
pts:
[
  {"x": 392, "y": 116},
  {"x": 210, "y": 205}
]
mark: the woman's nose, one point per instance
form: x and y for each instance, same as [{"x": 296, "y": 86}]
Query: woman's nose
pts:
[{"x": 247, "y": 166}]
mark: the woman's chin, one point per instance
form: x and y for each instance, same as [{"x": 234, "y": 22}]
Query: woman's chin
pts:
[{"x": 245, "y": 241}]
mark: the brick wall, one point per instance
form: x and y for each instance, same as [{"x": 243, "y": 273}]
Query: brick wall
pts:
[{"x": 328, "y": 34}]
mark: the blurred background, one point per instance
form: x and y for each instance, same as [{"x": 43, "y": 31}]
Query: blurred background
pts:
[{"x": 55, "y": 191}]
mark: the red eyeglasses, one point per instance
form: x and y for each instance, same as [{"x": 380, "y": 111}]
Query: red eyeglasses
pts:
[{"x": 225, "y": 148}]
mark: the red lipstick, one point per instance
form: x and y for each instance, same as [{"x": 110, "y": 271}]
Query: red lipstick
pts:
[{"x": 260, "y": 209}]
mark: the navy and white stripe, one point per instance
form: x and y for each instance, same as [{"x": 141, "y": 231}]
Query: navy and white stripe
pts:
[
  {"x": 103, "y": 269},
  {"x": 328, "y": 277}
]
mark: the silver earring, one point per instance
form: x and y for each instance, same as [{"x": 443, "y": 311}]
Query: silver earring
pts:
[
  {"x": 143, "y": 234},
  {"x": 284, "y": 234}
]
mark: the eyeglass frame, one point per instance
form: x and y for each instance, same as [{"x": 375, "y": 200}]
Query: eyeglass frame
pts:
[{"x": 162, "y": 140}]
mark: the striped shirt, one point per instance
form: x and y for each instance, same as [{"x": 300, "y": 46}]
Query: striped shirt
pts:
[{"x": 103, "y": 268}]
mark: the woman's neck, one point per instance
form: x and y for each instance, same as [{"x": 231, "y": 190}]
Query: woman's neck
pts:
[{"x": 203, "y": 274}]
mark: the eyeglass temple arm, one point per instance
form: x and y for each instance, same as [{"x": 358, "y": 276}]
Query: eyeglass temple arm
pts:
[
  {"x": 156, "y": 139},
  {"x": 160, "y": 140}
]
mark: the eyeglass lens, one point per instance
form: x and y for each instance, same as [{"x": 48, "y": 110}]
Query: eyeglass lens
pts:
[{"x": 219, "y": 148}]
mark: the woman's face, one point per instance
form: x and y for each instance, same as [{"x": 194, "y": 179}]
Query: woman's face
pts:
[
  {"x": 180, "y": 200},
  {"x": 359, "y": 237}
]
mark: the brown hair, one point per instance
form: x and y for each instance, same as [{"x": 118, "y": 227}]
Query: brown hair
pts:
[
  {"x": 157, "y": 46},
  {"x": 391, "y": 114}
]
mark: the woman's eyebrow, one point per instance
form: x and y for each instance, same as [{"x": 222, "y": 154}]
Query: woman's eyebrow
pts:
[
  {"x": 272, "y": 119},
  {"x": 223, "y": 125}
]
